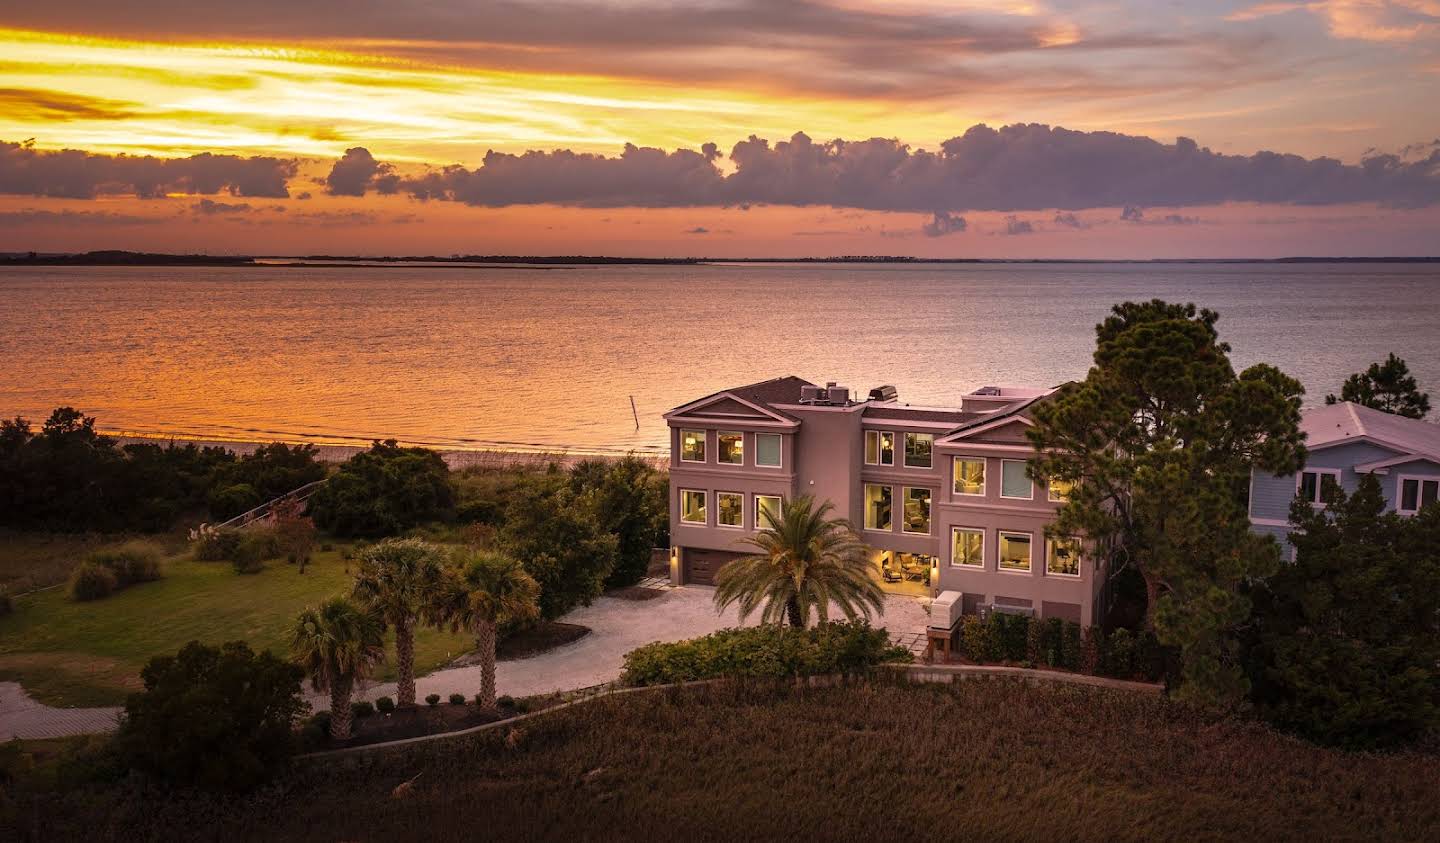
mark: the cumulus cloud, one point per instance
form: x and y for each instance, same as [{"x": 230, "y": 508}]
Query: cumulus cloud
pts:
[
  {"x": 1069, "y": 220},
  {"x": 943, "y": 223},
  {"x": 699, "y": 229},
  {"x": 76, "y": 174},
  {"x": 357, "y": 172},
  {"x": 209, "y": 207},
  {"x": 1135, "y": 214},
  {"x": 1014, "y": 225}
]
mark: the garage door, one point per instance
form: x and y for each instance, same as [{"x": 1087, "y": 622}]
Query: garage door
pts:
[{"x": 701, "y": 566}]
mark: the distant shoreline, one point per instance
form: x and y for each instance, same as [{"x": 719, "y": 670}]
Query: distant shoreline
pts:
[{"x": 122, "y": 258}]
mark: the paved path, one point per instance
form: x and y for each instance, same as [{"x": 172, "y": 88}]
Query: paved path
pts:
[{"x": 617, "y": 627}]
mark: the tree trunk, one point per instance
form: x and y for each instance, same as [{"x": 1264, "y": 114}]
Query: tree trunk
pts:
[
  {"x": 1152, "y": 595},
  {"x": 485, "y": 644},
  {"x": 792, "y": 612},
  {"x": 340, "y": 709},
  {"x": 405, "y": 663}
]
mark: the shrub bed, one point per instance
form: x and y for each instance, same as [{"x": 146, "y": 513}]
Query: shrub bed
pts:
[
  {"x": 106, "y": 571},
  {"x": 1060, "y": 644},
  {"x": 217, "y": 544},
  {"x": 764, "y": 652}
]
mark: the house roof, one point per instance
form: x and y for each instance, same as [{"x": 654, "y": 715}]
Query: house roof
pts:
[
  {"x": 900, "y": 412},
  {"x": 1336, "y": 424},
  {"x": 765, "y": 394},
  {"x": 1020, "y": 409}
]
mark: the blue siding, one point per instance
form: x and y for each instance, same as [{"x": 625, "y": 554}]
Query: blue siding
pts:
[
  {"x": 1270, "y": 496},
  {"x": 1418, "y": 468}
]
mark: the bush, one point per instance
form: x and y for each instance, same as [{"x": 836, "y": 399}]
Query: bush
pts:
[
  {"x": 361, "y": 708},
  {"x": 767, "y": 651},
  {"x": 6, "y": 605},
  {"x": 92, "y": 581},
  {"x": 257, "y": 544},
  {"x": 505, "y": 701},
  {"x": 232, "y": 500},
  {"x": 457, "y": 699},
  {"x": 132, "y": 562},
  {"x": 218, "y": 717},
  {"x": 561, "y": 542},
  {"x": 383, "y": 492},
  {"x": 384, "y": 705},
  {"x": 217, "y": 544},
  {"x": 432, "y": 699}
]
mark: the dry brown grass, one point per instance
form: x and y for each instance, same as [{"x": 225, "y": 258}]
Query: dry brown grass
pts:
[{"x": 875, "y": 761}]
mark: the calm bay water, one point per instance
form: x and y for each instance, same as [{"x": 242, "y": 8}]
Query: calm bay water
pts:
[{"x": 508, "y": 357}]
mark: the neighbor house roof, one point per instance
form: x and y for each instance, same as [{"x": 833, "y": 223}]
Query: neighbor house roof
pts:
[
  {"x": 1336, "y": 424},
  {"x": 764, "y": 394}
]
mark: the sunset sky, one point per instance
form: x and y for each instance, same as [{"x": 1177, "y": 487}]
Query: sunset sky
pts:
[{"x": 988, "y": 128}]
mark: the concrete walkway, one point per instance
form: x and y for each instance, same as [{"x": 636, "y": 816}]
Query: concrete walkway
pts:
[{"x": 617, "y": 627}]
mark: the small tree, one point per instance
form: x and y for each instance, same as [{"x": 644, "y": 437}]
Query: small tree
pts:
[
  {"x": 557, "y": 537},
  {"x": 219, "y": 717},
  {"x": 488, "y": 589},
  {"x": 1387, "y": 386},
  {"x": 294, "y": 532},
  {"x": 338, "y": 644},
  {"x": 805, "y": 562},
  {"x": 620, "y": 493},
  {"x": 384, "y": 491},
  {"x": 402, "y": 580}
]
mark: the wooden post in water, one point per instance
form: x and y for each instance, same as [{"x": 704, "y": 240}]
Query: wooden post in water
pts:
[{"x": 634, "y": 412}]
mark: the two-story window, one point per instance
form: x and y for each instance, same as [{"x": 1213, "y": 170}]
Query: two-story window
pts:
[
  {"x": 970, "y": 476},
  {"x": 1062, "y": 557},
  {"x": 879, "y": 447},
  {"x": 917, "y": 511},
  {"x": 730, "y": 447},
  {"x": 919, "y": 449},
  {"x": 1313, "y": 484},
  {"x": 1014, "y": 551},
  {"x": 729, "y": 509},
  {"x": 1014, "y": 482},
  {"x": 767, "y": 511},
  {"x": 967, "y": 547},
  {"x": 692, "y": 506},
  {"x": 878, "y": 506},
  {"x": 1416, "y": 493},
  {"x": 767, "y": 450},
  {"x": 692, "y": 446}
]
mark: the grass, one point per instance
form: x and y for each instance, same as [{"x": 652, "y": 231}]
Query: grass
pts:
[
  {"x": 83, "y": 654},
  {"x": 879, "y": 760},
  {"x": 37, "y": 560}
]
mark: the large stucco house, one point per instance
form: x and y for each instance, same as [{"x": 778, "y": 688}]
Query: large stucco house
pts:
[{"x": 940, "y": 494}]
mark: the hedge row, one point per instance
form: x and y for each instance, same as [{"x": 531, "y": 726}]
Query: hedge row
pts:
[
  {"x": 1061, "y": 644},
  {"x": 766, "y": 651}
]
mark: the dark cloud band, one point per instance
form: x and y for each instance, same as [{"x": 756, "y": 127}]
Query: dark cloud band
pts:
[{"x": 76, "y": 174}]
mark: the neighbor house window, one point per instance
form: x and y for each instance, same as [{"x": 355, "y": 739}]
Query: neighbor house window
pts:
[
  {"x": 877, "y": 507},
  {"x": 917, "y": 511},
  {"x": 692, "y": 506},
  {"x": 917, "y": 449},
  {"x": 1313, "y": 486},
  {"x": 970, "y": 476},
  {"x": 967, "y": 547},
  {"x": 1060, "y": 489},
  {"x": 692, "y": 446},
  {"x": 730, "y": 447},
  {"x": 729, "y": 509},
  {"x": 1062, "y": 557},
  {"x": 879, "y": 447},
  {"x": 1416, "y": 493},
  {"x": 1014, "y": 551},
  {"x": 1014, "y": 482},
  {"x": 767, "y": 509},
  {"x": 767, "y": 450}
]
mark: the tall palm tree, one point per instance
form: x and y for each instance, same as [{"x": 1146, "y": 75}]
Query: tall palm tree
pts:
[
  {"x": 805, "y": 561},
  {"x": 400, "y": 579},
  {"x": 338, "y": 644},
  {"x": 489, "y": 589}
]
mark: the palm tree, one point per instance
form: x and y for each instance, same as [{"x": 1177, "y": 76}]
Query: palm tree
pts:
[
  {"x": 338, "y": 644},
  {"x": 805, "y": 561},
  {"x": 489, "y": 589},
  {"x": 400, "y": 579}
]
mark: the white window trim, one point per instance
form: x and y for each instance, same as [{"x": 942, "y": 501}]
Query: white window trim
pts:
[
  {"x": 741, "y": 525},
  {"x": 984, "y": 479},
  {"x": 865, "y": 501},
  {"x": 999, "y": 558},
  {"x": 1050, "y": 491},
  {"x": 1419, "y": 492},
  {"x": 705, "y": 496},
  {"x": 904, "y": 499},
  {"x": 865, "y": 457},
  {"x": 781, "y": 451},
  {"x": 758, "y": 523},
  {"x": 959, "y": 529},
  {"x": 1079, "y": 567},
  {"x": 1319, "y": 473},
  {"x": 1029, "y": 497},
  {"x": 720, "y": 433},
  {"x": 905, "y": 451},
  {"x": 705, "y": 449}
]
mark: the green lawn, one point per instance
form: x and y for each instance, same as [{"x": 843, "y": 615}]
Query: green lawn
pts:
[{"x": 82, "y": 654}]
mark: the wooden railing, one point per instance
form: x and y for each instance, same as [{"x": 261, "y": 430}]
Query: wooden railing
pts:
[{"x": 245, "y": 519}]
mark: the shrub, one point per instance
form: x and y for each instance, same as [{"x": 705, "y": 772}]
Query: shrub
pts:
[
  {"x": 384, "y": 705},
  {"x": 561, "y": 542},
  {"x": 361, "y": 708},
  {"x": 1070, "y": 646},
  {"x": 92, "y": 581},
  {"x": 217, "y": 544},
  {"x": 1035, "y": 642},
  {"x": 384, "y": 491},
  {"x": 457, "y": 699},
  {"x": 767, "y": 651},
  {"x": 480, "y": 700},
  {"x": 219, "y": 717},
  {"x": 1121, "y": 654},
  {"x": 256, "y": 545},
  {"x": 432, "y": 699},
  {"x": 226, "y": 502},
  {"x": 132, "y": 562},
  {"x": 505, "y": 701},
  {"x": 6, "y": 605}
]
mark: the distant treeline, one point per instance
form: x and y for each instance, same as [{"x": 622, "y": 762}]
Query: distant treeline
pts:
[{"x": 119, "y": 258}]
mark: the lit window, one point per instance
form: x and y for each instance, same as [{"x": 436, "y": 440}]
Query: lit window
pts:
[
  {"x": 879, "y": 447},
  {"x": 1416, "y": 493},
  {"x": 877, "y": 507},
  {"x": 692, "y": 506},
  {"x": 1060, "y": 489},
  {"x": 1062, "y": 557},
  {"x": 969, "y": 476},
  {"x": 730, "y": 447},
  {"x": 767, "y": 450},
  {"x": 917, "y": 449},
  {"x": 729, "y": 509},
  {"x": 1014, "y": 551},
  {"x": 1014, "y": 482},
  {"x": 767, "y": 511},
  {"x": 692, "y": 446},
  {"x": 1314, "y": 486},
  {"x": 967, "y": 547},
  {"x": 917, "y": 511}
]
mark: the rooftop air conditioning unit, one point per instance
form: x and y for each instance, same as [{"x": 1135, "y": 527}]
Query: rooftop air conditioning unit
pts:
[
  {"x": 838, "y": 395},
  {"x": 945, "y": 610},
  {"x": 1007, "y": 609},
  {"x": 812, "y": 394},
  {"x": 884, "y": 393}
]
